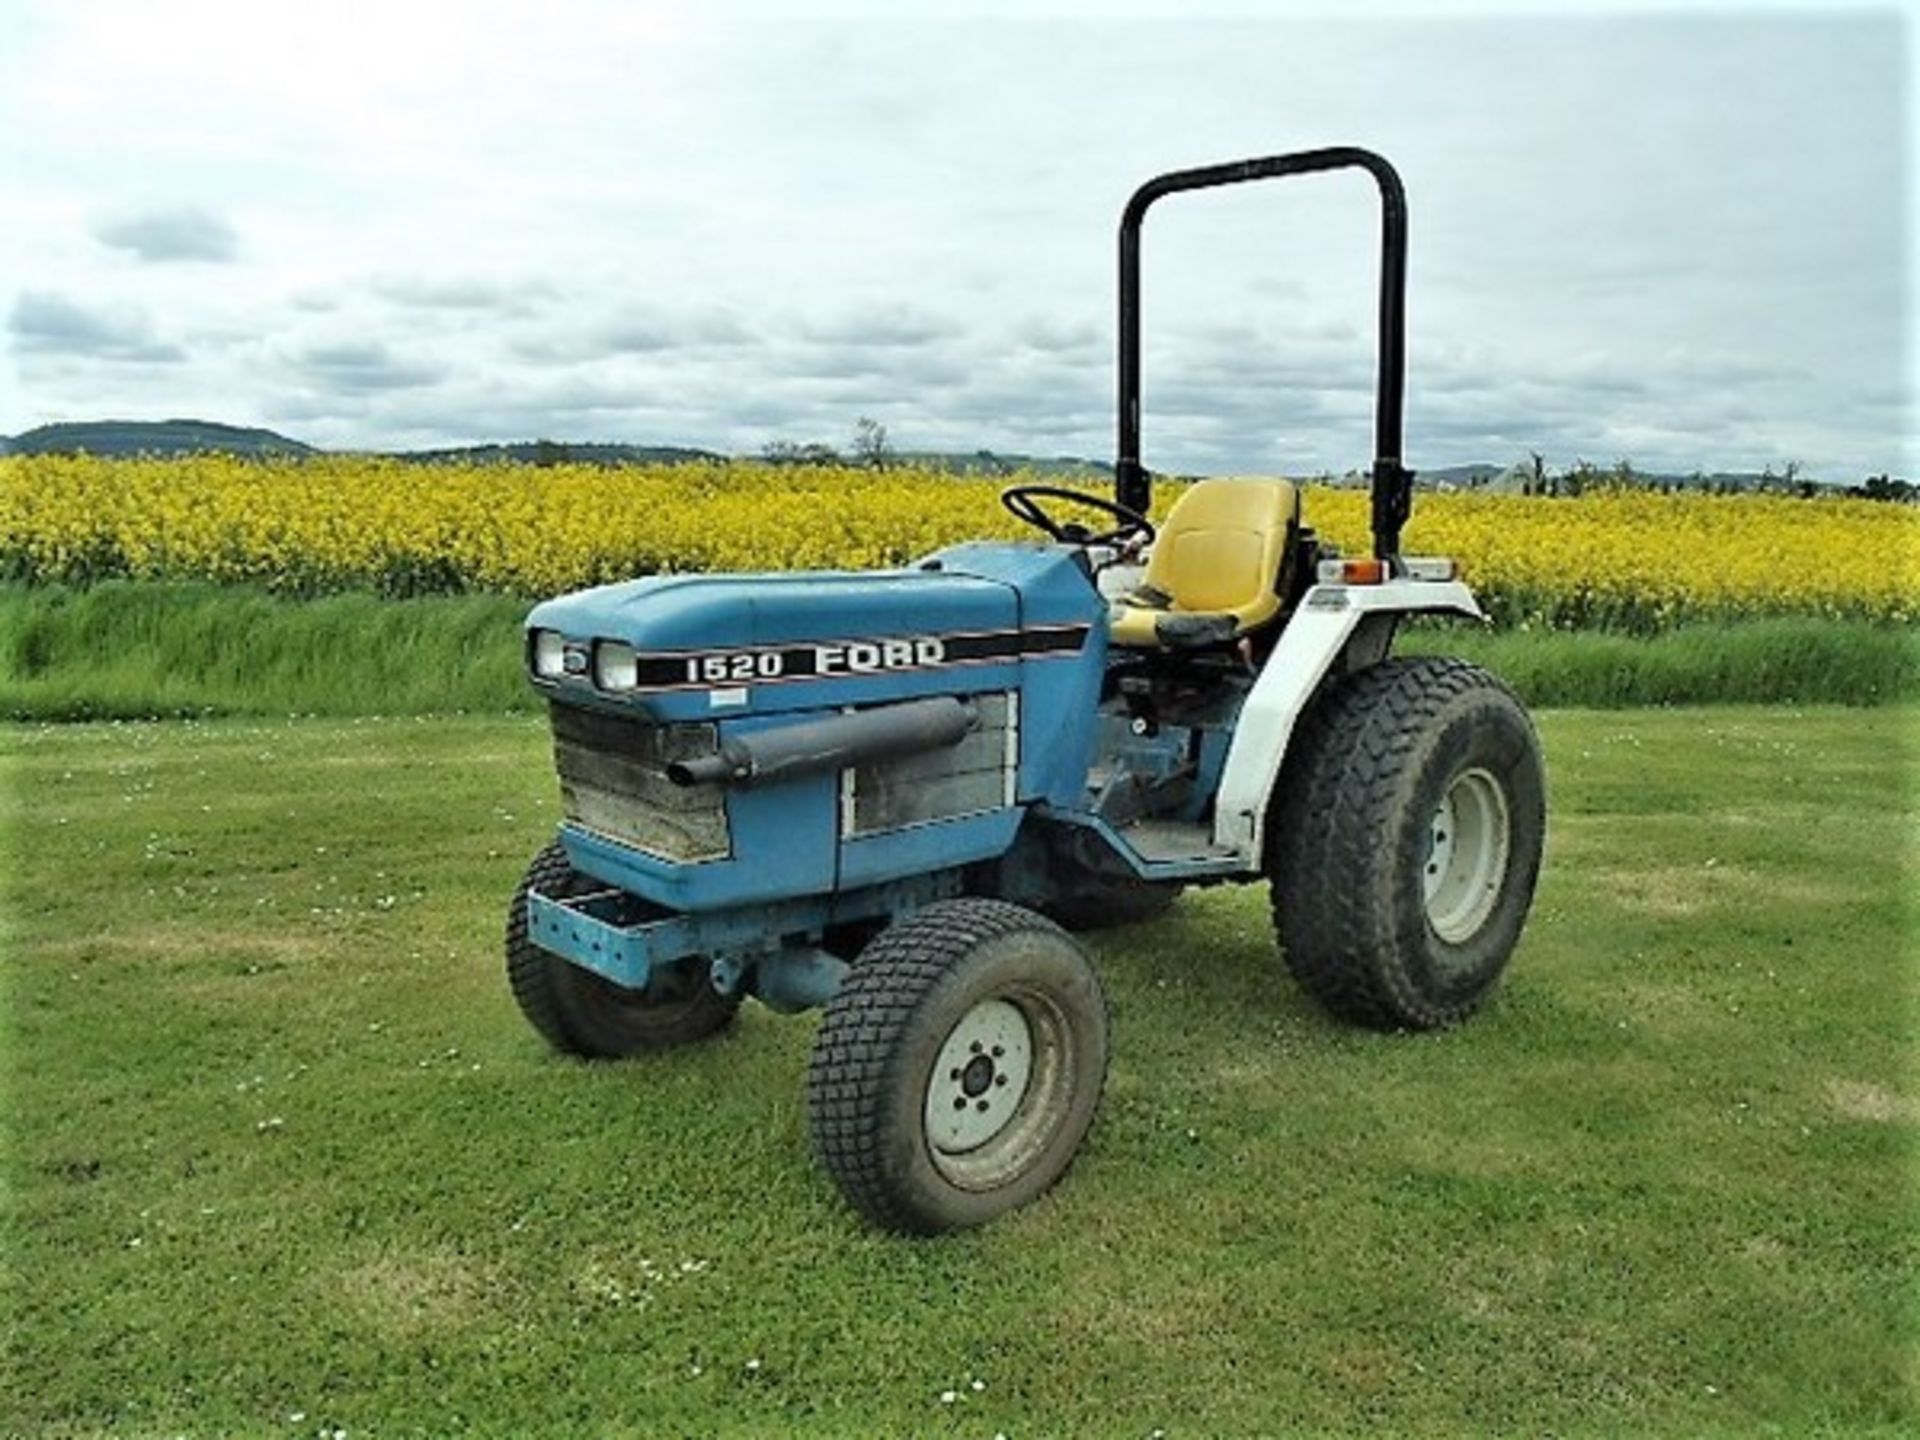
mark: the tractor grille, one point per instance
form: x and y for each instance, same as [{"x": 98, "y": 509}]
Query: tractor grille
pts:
[
  {"x": 613, "y": 782},
  {"x": 964, "y": 779}
]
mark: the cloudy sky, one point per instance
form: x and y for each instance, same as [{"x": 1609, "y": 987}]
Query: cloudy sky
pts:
[{"x": 1680, "y": 236}]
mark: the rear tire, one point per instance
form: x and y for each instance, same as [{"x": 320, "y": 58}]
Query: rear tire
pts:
[
  {"x": 958, "y": 1067},
  {"x": 582, "y": 1013},
  {"x": 1405, "y": 841},
  {"x": 1104, "y": 904}
]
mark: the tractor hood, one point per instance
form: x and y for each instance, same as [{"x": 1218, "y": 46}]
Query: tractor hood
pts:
[
  {"x": 682, "y": 647},
  {"x": 670, "y": 614}
]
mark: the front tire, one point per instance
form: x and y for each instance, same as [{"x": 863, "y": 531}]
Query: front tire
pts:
[
  {"x": 581, "y": 1013},
  {"x": 958, "y": 1067},
  {"x": 1405, "y": 842}
]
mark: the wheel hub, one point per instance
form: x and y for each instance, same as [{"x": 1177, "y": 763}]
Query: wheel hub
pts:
[
  {"x": 1468, "y": 838},
  {"x": 976, "y": 1076},
  {"x": 979, "y": 1077}
]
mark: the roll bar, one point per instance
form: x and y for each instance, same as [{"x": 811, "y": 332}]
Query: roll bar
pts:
[{"x": 1392, "y": 481}]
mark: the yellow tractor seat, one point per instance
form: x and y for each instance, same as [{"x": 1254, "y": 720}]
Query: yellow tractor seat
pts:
[{"x": 1214, "y": 572}]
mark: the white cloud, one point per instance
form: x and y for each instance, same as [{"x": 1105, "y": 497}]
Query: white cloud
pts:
[
  {"x": 45, "y": 323},
  {"x": 179, "y": 232},
  {"x": 1669, "y": 236}
]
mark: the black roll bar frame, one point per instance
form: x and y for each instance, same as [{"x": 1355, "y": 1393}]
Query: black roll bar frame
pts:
[{"x": 1392, "y": 481}]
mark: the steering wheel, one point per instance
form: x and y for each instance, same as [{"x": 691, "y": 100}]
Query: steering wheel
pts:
[{"x": 1023, "y": 501}]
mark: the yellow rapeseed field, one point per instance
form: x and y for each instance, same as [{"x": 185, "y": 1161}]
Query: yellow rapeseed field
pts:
[{"x": 1631, "y": 559}]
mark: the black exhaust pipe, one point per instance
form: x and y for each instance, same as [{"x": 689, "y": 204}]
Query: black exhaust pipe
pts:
[{"x": 857, "y": 738}]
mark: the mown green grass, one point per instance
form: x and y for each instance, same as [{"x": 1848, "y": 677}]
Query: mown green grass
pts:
[
  {"x": 1755, "y": 662},
  {"x": 131, "y": 650},
  {"x": 281, "y": 1157}
]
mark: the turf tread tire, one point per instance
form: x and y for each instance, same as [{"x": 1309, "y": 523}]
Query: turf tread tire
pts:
[
  {"x": 1350, "y": 922},
  {"x": 1105, "y": 905},
  {"x": 856, "y": 1067}
]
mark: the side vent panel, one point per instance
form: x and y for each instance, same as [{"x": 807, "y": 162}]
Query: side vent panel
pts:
[
  {"x": 613, "y": 782},
  {"x": 965, "y": 779}
]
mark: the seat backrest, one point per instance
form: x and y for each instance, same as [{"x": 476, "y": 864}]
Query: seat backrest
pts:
[{"x": 1222, "y": 545}]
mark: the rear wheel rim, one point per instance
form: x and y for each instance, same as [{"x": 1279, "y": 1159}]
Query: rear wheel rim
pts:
[{"x": 1469, "y": 837}]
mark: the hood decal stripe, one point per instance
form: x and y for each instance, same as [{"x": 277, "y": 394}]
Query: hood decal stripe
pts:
[{"x": 852, "y": 658}]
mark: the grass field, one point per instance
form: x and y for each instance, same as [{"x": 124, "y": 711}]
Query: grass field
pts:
[
  {"x": 136, "y": 649},
  {"x": 282, "y": 1159}
]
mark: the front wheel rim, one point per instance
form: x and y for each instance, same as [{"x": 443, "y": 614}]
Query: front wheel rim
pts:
[
  {"x": 1469, "y": 837},
  {"x": 998, "y": 1089}
]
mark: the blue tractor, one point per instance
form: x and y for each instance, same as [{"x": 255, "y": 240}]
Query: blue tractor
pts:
[{"x": 895, "y": 794}]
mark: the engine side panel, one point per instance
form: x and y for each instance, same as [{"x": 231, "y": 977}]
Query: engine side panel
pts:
[
  {"x": 613, "y": 781},
  {"x": 1059, "y": 691},
  {"x": 1017, "y": 629},
  {"x": 965, "y": 779},
  {"x": 783, "y": 842}
]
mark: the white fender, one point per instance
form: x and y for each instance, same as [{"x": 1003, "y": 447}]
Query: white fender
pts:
[{"x": 1318, "y": 630}]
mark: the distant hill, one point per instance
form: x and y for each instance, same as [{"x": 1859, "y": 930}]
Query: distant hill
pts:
[
  {"x": 181, "y": 437},
  {"x": 151, "y": 437},
  {"x": 996, "y": 462},
  {"x": 556, "y": 452},
  {"x": 1520, "y": 480},
  {"x": 1460, "y": 477}
]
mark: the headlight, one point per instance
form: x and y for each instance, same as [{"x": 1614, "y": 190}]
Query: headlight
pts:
[
  {"x": 549, "y": 654},
  {"x": 615, "y": 666}
]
